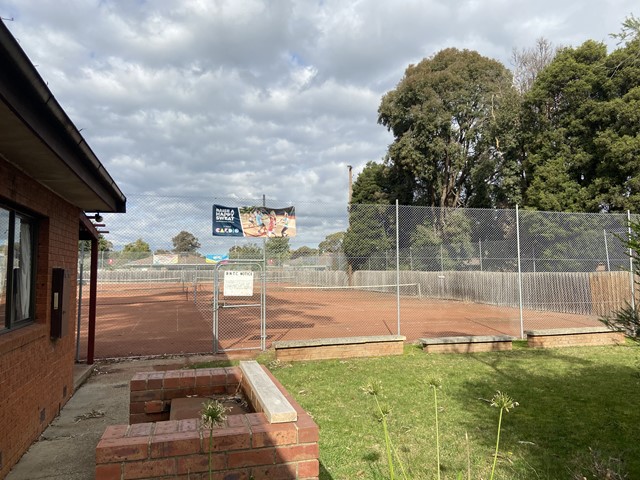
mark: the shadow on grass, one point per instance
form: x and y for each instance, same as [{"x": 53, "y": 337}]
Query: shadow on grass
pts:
[
  {"x": 375, "y": 466},
  {"x": 324, "y": 473},
  {"x": 574, "y": 413}
]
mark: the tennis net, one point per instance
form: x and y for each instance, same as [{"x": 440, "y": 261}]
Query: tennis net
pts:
[
  {"x": 115, "y": 292},
  {"x": 406, "y": 289}
]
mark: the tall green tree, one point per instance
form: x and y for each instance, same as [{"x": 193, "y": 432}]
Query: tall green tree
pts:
[
  {"x": 581, "y": 121},
  {"x": 332, "y": 243},
  {"x": 139, "y": 246},
  {"x": 367, "y": 236},
  {"x": 304, "y": 251},
  {"x": 450, "y": 240},
  {"x": 444, "y": 115},
  {"x": 277, "y": 248},
  {"x": 248, "y": 251},
  {"x": 104, "y": 245},
  {"x": 384, "y": 183},
  {"x": 185, "y": 242},
  {"x": 371, "y": 185}
]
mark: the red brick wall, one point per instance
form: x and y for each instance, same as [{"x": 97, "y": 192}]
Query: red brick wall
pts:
[{"x": 36, "y": 373}]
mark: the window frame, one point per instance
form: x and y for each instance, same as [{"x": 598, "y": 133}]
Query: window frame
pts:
[{"x": 17, "y": 215}]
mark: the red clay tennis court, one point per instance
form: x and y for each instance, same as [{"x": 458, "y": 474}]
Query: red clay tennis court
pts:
[{"x": 134, "y": 320}]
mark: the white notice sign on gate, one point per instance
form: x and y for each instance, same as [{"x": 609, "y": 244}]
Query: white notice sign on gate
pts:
[{"x": 238, "y": 284}]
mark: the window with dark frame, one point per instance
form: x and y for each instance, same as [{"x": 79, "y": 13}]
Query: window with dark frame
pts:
[{"x": 17, "y": 268}]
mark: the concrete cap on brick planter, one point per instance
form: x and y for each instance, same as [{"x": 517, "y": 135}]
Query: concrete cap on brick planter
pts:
[
  {"x": 318, "y": 342},
  {"x": 273, "y": 403},
  {"x": 467, "y": 339},
  {"x": 570, "y": 331}
]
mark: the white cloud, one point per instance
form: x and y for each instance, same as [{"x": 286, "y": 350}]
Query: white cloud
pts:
[{"x": 240, "y": 98}]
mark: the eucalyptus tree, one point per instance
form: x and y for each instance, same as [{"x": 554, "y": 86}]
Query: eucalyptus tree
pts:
[
  {"x": 446, "y": 115},
  {"x": 185, "y": 242}
]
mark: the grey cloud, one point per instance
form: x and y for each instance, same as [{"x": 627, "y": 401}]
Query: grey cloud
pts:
[{"x": 239, "y": 98}]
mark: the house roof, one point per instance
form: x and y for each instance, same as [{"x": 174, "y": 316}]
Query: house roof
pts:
[{"x": 38, "y": 137}]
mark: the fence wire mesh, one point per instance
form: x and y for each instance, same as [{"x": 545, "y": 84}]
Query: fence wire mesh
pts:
[{"x": 350, "y": 271}]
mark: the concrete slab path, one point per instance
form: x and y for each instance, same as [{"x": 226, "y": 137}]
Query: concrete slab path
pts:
[{"x": 66, "y": 449}]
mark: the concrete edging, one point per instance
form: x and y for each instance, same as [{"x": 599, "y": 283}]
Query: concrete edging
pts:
[
  {"x": 467, "y": 339},
  {"x": 467, "y": 344},
  {"x": 569, "y": 331}
]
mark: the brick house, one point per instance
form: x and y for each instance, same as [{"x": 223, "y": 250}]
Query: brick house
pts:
[{"x": 49, "y": 178}]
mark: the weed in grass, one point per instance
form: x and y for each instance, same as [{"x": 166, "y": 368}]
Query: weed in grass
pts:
[
  {"x": 213, "y": 413},
  {"x": 593, "y": 466},
  {"x": 505, "y": 403},
  {"x": 466, "y": 442},
  {"x": 275, "y": 364},
  {"x": 435, "y": 384},
  {"x": 500, "y": 400},
  {"x": 374, "y": 388}
]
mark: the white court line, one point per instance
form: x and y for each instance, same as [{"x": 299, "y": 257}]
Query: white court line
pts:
[{"x": 137, "y": 323}]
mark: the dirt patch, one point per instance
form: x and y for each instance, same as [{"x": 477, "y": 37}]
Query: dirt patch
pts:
[{"x": 191, "y": 407}]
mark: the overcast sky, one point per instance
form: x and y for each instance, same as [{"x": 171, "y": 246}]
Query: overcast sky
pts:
[{"x": 244, "y": 98}]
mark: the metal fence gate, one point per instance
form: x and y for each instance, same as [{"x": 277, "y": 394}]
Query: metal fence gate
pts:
[{"x": 239, "y": 306}]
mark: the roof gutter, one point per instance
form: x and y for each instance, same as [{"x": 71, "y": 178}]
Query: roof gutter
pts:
[{"x": 40, "y": 90}]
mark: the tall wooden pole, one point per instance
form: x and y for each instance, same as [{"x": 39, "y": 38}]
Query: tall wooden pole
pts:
[{"x": 350, "y": 184}]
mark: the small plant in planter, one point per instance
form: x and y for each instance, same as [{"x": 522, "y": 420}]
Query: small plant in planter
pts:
[{"x": 213, "y": 413}]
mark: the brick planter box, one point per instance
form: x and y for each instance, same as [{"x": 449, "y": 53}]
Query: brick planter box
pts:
[
  {"x": 572, "y": 337},
  {"x": 246, "y": 446},
  {"x": 346, "y": 347}
]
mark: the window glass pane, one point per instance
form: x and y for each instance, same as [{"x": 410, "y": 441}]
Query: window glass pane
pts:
[
  {"x": 22, "y": 269},
  {"x": 4, "y": 247}
]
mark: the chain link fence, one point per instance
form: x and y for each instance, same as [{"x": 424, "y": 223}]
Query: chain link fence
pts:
[{"x": 349, "y": 271}]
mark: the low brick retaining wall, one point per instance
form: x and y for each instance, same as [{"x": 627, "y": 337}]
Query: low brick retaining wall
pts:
[
  {"x": 467, "y": 344},
  {"x": 245, "y": 446},
  {"x": 347, "y": 347},
  {"x": 571, "y": 337}
]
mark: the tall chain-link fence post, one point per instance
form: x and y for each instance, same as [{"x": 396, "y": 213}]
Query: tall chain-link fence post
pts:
[
  {"x": 520, "y": 305},
  {"x": 398, "y": 263},
  {"x": 606, "y": 249},
  {"x": 632, "y": 280}
]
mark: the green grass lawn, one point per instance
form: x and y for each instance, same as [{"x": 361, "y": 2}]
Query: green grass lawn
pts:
[{"x": 579, "y": 412}]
